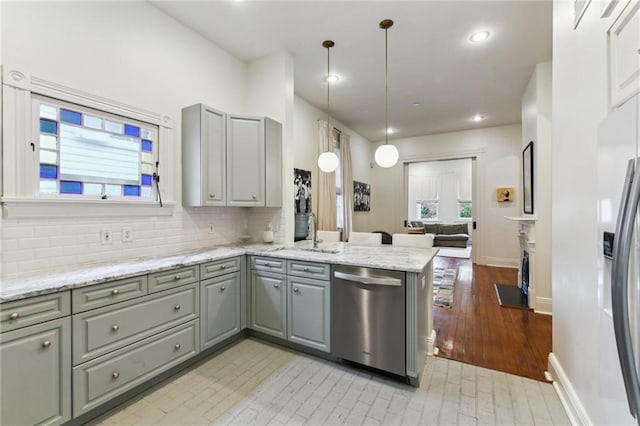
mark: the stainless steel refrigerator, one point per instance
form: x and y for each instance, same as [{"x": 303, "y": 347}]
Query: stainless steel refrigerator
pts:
[{"x": 619, "y": 262}]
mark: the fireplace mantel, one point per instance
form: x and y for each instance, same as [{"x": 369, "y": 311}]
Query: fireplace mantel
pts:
[{"x": 527, "y": 238}]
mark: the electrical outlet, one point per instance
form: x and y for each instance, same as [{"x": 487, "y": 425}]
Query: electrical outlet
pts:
[
  {"x": 106, "y": 236},
  {"x": 127, "y": 235},
  {"x": 211, "y": 228}
]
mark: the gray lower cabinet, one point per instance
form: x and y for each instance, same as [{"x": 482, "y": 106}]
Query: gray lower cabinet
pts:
[
  {"x": 269, "y": 303},
  {"x": 293, "y": 306},
  {"x": 103, "y": 330},
  {"x": 35, "y": 374},
  {"x": 97, "y": 381},
  {"x": 219, "y": 308},
  {"x": 308, "y": 312}
]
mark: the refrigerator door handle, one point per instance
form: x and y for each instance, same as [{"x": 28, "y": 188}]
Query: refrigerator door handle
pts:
[{"x": 619, "y": 285}]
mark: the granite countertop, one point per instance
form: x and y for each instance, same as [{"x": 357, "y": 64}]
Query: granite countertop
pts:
[{"x": 383, "y": 257}]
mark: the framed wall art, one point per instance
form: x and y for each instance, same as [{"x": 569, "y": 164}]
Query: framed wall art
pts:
[{"x": 527, "y": 179}]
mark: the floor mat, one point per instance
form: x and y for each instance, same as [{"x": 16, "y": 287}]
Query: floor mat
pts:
[{"x": 443, "y": 285}]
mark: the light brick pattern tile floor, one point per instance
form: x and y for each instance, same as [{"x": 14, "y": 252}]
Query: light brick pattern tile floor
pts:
[{"x": 257, "y": 383}]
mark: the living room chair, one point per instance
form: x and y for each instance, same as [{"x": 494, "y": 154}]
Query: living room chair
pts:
[
  {"x": 413, "y": 240},
  {"x": 365, "y": 239},
  {"x": 329, "y": 236}
]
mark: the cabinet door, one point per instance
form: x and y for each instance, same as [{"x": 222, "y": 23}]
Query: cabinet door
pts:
[
  {"x": 268, "y": 303},
  {"x": 204, "y": 167},
  {"x": 245, "y": 161},
  {"x": 308, "y": 312},
  {"x": 35, "y": 374},
  {"x": 219, "y": 308},
  {"x": 214, "y": 165}
]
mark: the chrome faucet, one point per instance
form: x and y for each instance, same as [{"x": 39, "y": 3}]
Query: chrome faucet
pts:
[{"x": 313, "y": 222}]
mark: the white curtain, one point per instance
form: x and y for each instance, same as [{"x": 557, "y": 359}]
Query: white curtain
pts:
[
  {"x": 427, "y": 188},
  {"x": 347, "y": 185},
  {"x": 464, "y": 187},
  {"x": 326, "y": 184}
]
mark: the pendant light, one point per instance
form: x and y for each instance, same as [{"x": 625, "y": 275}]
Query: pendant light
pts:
[
  {"x": 386, "y": 155},
  {"x": 328, "y": 161}
]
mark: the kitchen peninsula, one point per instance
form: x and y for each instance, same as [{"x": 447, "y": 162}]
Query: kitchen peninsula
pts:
[{"x": 111, "y": 330}]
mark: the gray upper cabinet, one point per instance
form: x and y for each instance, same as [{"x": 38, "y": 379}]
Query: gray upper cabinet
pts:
[
  {"x": 219, "y": 308},
  {"x": 254, "y": 161},
  {"x": 204, "y": 173},
  {"x": 35, "y": 374},
  {"x": 308, "y": 312},
  {"x": 269, "y": 303}
]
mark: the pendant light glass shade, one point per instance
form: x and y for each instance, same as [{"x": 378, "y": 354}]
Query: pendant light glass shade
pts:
[
  {"x": 386, "y": 155},
  {"x": 328, "y": 161}
]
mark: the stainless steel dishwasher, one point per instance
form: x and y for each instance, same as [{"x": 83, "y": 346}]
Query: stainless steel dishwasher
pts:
[{"x": 368, "y": 317}]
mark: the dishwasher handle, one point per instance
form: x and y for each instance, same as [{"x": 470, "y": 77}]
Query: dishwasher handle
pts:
[{"x": 393, "y": 282}]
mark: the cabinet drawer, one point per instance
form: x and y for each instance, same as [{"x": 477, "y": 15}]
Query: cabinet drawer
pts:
[
  {"x": 112, "y": 327},
  {"x": 96, "y": 296},
  {"x": 270, "y": 264},
  {"x": 34, "y": 310},
  {"x": 173, "y": 278},
  {"x": 318, "y": 271},
  {"x": 100, "y": 380},
  {"x": 219, "y": 267}
]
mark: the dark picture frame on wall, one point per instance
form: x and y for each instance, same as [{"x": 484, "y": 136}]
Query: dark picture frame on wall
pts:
[{"x": 527, "y": 179}]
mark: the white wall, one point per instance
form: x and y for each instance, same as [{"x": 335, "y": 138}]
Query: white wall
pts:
[
  {"x": 584, "y": 350},
  {"x": 270, "y": 93},
  {"x": 447, "y": 173},
  {"x": 132, "y": 53},
  {"x": 536, "y": 127},
  {"x": 497, "y": 150},
  {"x": 305, "y": 153}
]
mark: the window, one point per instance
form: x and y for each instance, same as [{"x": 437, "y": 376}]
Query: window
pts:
[
  {"x": 87, "y": 153},
  {"x": 464, "y": 210},
  {"x": 427, "y": 209}
]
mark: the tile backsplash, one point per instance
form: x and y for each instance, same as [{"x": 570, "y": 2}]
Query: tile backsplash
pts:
[{"x": 38, "y": 246}]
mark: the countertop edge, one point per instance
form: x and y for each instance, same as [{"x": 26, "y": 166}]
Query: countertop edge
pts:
[{"x": 24, "y": 287}]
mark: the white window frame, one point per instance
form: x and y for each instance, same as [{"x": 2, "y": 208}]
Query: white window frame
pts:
[
  {"x": 20, "y": 178},
  {"x": 336, "y": 134}
]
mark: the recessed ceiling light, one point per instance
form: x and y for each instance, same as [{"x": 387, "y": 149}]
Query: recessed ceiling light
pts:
[
  {"x": 477, "y": 118},
  {"x": 391, "y": 130},
  {"x": 332, "y": 78},
  {"x": 479, "y": 36},
  {"x": 416, "y": 104}
]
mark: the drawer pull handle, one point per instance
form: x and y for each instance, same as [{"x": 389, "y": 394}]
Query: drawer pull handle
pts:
[
  {"x": 276, "y": 285},
  {"x": 268, "y": 265},
  {"x": 115, "y": 327},
  {"x": 223, "y": 288},
  {"x": 306, "y": 269},
  {"x": 223, "y": 266},
  {"x": 296, "y": 290},
  {"x": 177, "y": 346},
  {"x": 177, "y": 277},
  {"x": 14, "y": 315},
  {"x": 115, "y": 375},
  {"x": 115, "y": 291},
  {"x": 254, "y": 196},
  {"x": 177, "y": 307},
  {"x": 46, "y": 343},
  {"x": 212, "y": 195}
]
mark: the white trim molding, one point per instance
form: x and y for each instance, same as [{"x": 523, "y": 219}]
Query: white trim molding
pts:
[
  {"x": 543, "y": 305},
  {"x": 19, "y": 198},
  {"x": 567, "y": 394}
]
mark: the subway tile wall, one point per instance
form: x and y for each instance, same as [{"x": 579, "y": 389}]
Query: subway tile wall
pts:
[{"x": 39, "y": 246}]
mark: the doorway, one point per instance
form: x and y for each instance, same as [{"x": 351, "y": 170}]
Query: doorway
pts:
[{"x": 440, "y": 198}]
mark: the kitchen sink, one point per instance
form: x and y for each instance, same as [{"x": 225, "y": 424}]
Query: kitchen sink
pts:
[{"x": 331, "y": 250}]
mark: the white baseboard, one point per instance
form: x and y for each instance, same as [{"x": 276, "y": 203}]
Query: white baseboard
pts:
[
  {"x": 431, "y": 343},
  {"x": 567, "y": 394},
  {"x": 502, "y": 262},
  {"x": 543, "y": 305}
]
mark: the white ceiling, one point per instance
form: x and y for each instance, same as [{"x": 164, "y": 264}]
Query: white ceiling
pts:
[{"x": 431, "y": 60}]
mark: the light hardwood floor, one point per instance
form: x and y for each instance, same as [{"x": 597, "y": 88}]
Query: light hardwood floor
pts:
[{"x": 253, "y": 382}]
